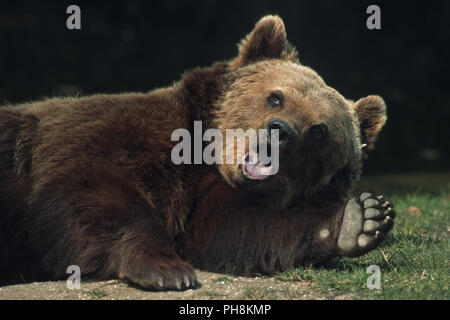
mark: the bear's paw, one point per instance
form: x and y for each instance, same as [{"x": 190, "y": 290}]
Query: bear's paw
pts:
[
  {"x": 163, "y": 276},
  {"x": 367, "y": 219}
]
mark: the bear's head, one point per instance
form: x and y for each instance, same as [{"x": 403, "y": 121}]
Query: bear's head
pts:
[{"x": 322, "y": 137}]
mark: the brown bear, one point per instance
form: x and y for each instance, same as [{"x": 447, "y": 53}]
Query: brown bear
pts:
[{"x": 90, "y": 181}]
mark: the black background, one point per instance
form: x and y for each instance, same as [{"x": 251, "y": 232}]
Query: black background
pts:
[{"x": 141, "y": 45}]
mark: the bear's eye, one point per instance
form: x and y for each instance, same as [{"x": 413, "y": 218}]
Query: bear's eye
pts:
[{"x": 275, "y": 99}]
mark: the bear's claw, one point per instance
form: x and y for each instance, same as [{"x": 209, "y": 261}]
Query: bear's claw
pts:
[
  {"x": 367, "y": 219},
  {"x": 180, "y": 277}
]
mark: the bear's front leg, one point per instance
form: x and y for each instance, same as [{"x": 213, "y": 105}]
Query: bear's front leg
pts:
[
  {"x": 146, "y": 256},
  {"x": 366, "y": 220}
]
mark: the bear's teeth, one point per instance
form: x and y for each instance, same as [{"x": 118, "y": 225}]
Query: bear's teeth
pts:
[{"x": 253, "y": 158}]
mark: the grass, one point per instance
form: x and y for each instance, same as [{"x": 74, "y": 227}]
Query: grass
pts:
[
  {"x": 98, "y": 293},
  {"x": 212, "y": 294},
  {"x": 414, "y": 260},
  {"x": 259, "y": 293}
]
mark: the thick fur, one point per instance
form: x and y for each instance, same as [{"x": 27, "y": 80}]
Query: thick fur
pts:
[{"x": 89, "y": 181}]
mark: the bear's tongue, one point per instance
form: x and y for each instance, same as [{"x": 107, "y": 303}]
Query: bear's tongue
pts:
[{"x": 252, "y": 168}]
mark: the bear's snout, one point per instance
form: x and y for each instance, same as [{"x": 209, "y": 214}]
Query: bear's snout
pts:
[
  {"x": 314, "y": 135},
  {"x": 286, "y": 134}
]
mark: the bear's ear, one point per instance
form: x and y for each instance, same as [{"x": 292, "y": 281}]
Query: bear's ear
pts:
[
  {"x": 268, "y": 40},
  {"x": 371, "y": 112}
]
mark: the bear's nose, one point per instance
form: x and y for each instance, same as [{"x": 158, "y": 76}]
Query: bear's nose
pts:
[{"x": 285, "y": 132}]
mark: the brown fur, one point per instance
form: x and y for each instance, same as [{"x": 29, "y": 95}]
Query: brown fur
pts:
[{"x": 89, "y": 181}]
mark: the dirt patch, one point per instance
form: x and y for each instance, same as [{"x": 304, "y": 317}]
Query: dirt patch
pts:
[{"x": 213, "y": 286}]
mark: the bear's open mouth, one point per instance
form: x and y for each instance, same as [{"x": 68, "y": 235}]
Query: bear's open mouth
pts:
[{"x": 253, "y": 168}]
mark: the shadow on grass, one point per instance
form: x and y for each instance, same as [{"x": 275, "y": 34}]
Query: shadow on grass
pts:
[{"x": 376, "y": 257}]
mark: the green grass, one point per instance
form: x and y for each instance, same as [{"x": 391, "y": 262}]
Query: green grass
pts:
[
  {"x": 414, "y": 259},
  {"x": 259, "y": 293},
  {"x": 212, "y": 294},
  {"x": 98, "y": 293}
]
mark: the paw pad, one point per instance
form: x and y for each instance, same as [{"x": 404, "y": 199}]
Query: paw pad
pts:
[{"x": 366, "y": 221}]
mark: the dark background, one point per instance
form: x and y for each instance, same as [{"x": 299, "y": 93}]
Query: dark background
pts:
[{"x": 140, "y": 45}]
